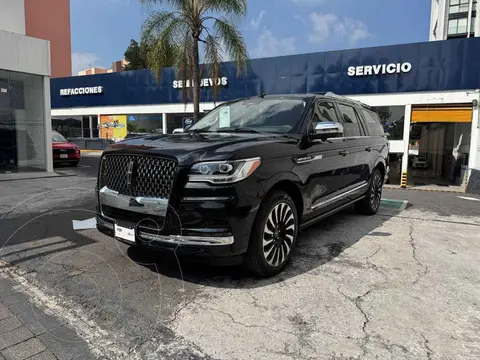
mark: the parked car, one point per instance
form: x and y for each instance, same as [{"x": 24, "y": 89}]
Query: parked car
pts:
[
  {"x": 420, "y": 162},
  {"x": 64, "y": 151},
  {"x": 239, "y": 184}
]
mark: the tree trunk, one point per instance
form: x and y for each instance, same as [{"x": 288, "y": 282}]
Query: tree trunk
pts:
[{"x": 196, "y": 81}]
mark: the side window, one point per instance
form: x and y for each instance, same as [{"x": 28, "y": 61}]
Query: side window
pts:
[
  {"x": 351, "y": 122},
  {"x": 324, "y": 112},
  {"x": 372, "y": 120}
]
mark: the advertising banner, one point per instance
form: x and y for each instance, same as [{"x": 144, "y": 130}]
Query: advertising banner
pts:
[{"x": 113, "y": 127}]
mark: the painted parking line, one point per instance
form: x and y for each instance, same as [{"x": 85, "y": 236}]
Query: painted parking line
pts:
[
  {"x": 393, "y": 204},
  {"x": 468, "y": 198}
]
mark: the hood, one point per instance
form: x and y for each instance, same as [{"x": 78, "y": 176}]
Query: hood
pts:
[
  {"x": 64, "y": 145},
  {"x": 191, "y": 147}
]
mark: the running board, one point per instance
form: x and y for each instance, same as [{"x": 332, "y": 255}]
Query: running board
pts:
[{"x": 327, "y": 214}]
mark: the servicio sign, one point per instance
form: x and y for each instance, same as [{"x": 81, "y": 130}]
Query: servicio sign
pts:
[
  {"x": 380, "y": 69},
  {"x": 89, "y": 90},
  {"x": 179, "y": 84}
]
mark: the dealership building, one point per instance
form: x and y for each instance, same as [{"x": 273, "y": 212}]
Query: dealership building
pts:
[{"x": 426, "y": 94}]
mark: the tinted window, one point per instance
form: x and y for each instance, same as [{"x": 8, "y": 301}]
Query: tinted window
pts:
[
  {"x": 372, "y": 120},
  {"x": 324, "y": 112},
  {"x": 272, "y": 115},
  {"x": 351, "y": 123}
]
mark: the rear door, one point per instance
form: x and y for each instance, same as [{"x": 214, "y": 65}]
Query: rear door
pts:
[
  {"x": 376, "y": 136},
  {"x": 358, "y": 146}
]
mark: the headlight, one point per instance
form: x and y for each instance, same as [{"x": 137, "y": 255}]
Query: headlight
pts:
[{"x": 224, "y": 172}]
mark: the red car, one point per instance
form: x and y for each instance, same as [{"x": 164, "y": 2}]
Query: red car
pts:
[{"x": 64, "y": 151}]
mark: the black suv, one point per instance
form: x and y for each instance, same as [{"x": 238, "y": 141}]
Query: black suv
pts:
[{"x": 240, "y": 183}]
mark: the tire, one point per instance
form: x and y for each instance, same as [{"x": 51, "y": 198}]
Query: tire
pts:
[
  {"x": 370, "y": 204},
  {"x": 273, "y": 236},
  {"x": 75, "y": 163}
]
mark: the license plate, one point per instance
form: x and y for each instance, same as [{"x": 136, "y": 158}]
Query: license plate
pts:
[
  {"x": 125, "y": 233},
  {"x": 63, "y": 156}
]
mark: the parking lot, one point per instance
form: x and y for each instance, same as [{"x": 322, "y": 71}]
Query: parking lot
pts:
[{"x": 403, "y": 284}]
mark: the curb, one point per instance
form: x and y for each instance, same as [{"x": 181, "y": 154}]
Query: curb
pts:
[{"x": 420, "y": 189}]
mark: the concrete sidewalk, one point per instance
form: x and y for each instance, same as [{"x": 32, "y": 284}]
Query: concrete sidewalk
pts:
[{"x": 28, "y": 332}]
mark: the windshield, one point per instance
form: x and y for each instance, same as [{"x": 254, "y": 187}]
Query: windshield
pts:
[
  {"x": 274, "y": 115},
  {"x": 57, "y": 137}
]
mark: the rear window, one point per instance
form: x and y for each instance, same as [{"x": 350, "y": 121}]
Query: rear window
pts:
[{"x": 372, "y": 120}]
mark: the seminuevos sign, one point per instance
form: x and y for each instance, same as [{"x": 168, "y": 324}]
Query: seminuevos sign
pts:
[
  {"x": 380, "y": 69},
  {"x": 208, "y": 82},
  {"x": 89, "y": 90}
]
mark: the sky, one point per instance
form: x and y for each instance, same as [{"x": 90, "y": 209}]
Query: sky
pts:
[{"x": 102, "y": 29}]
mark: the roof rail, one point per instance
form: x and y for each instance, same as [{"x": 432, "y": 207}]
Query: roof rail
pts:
[{"x": 333, "y": 95}]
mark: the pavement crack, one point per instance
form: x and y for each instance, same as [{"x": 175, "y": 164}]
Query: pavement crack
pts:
[
  {"x": 414, "y": 254},
  {"x": 427, "y": 346},
  {"x": 178, "y": 310},
  {"x": 252, "y": 326}
]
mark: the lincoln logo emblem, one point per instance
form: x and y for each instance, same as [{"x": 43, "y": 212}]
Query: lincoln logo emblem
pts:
[{"x": 130, "y": 172}]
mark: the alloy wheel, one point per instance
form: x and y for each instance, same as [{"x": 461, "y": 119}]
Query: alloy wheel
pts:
[
  {"x": 376, "y": 191},
  {"x": 278, "y": 235}
]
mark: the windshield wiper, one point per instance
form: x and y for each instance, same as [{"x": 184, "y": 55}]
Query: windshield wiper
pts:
[{"x": 239, "y": 130}]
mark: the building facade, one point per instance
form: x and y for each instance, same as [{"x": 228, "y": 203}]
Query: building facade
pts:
[
  {"x": 50, "y": 20},
  {"x": 426, "y": 94},
  {"x": 454, "y": 19},
  {"x": 117, "y": 66},
  {"x": 25, "y": 127}
]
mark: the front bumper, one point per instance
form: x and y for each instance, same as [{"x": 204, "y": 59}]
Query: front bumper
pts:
[
  {"x": 180, "y": 240},
  {"x": 204, "y": 220}
]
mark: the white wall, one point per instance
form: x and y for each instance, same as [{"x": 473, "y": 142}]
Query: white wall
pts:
[
  {"x": 24, "y": 54},
  {"x": 12, "y": 16},
  {"x": 438, "y": 20}
]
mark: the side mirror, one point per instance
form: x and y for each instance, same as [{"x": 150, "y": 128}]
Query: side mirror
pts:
[{"x": 328, "y": 130}]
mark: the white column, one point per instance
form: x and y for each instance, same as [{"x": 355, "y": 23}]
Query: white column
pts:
[
  {"x": 48, "y": 124},
  {"x": 164, "y": 123},
  {"x": 406, "y": 138},
  {"x": 90, "y": 126},
  {"x": 474, "y": 151},
  {"x": 469, "y": 19}
]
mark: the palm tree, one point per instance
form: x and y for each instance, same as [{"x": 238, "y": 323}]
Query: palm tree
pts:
[{"x": 181, "y": 30}]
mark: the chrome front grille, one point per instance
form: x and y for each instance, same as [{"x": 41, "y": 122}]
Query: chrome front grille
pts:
[{"x": 138, "y": 175}]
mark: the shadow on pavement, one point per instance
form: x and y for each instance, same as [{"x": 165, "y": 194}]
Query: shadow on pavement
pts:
[
  {"x": 316, "y": 246},
  {"x": 27, "y": 237}
]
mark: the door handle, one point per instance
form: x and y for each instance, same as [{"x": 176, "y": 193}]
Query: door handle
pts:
[
  {"x": 344, "y": 152},
  {"x": 368, "y": 149}
]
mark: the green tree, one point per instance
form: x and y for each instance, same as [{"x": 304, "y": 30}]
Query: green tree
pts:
[
  {"x": 136, "y": 60},
  {"x": 181, "y": 31}
]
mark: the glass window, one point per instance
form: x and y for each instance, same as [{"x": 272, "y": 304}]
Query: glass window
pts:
[
  {"x": 22, "y": 122},
  {"x": 458, "y": 6},
  {"x": 472, "y": 25},
  {"x": 280, "y": 114},
  {"x": 462, "y": 26},
  {"x": 351, "y": 123},
  {"x": 324, "y": 112},
  {"x": 372, "y": 120},
  {"x": 457, "y": 26},
  {"x": 392, "y": 119}
]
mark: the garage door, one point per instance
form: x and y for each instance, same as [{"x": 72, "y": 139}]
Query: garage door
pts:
[{"x": 442, "y": 114}]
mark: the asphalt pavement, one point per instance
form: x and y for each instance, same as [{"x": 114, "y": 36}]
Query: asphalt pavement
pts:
[{"x": 398, "y": 285}]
